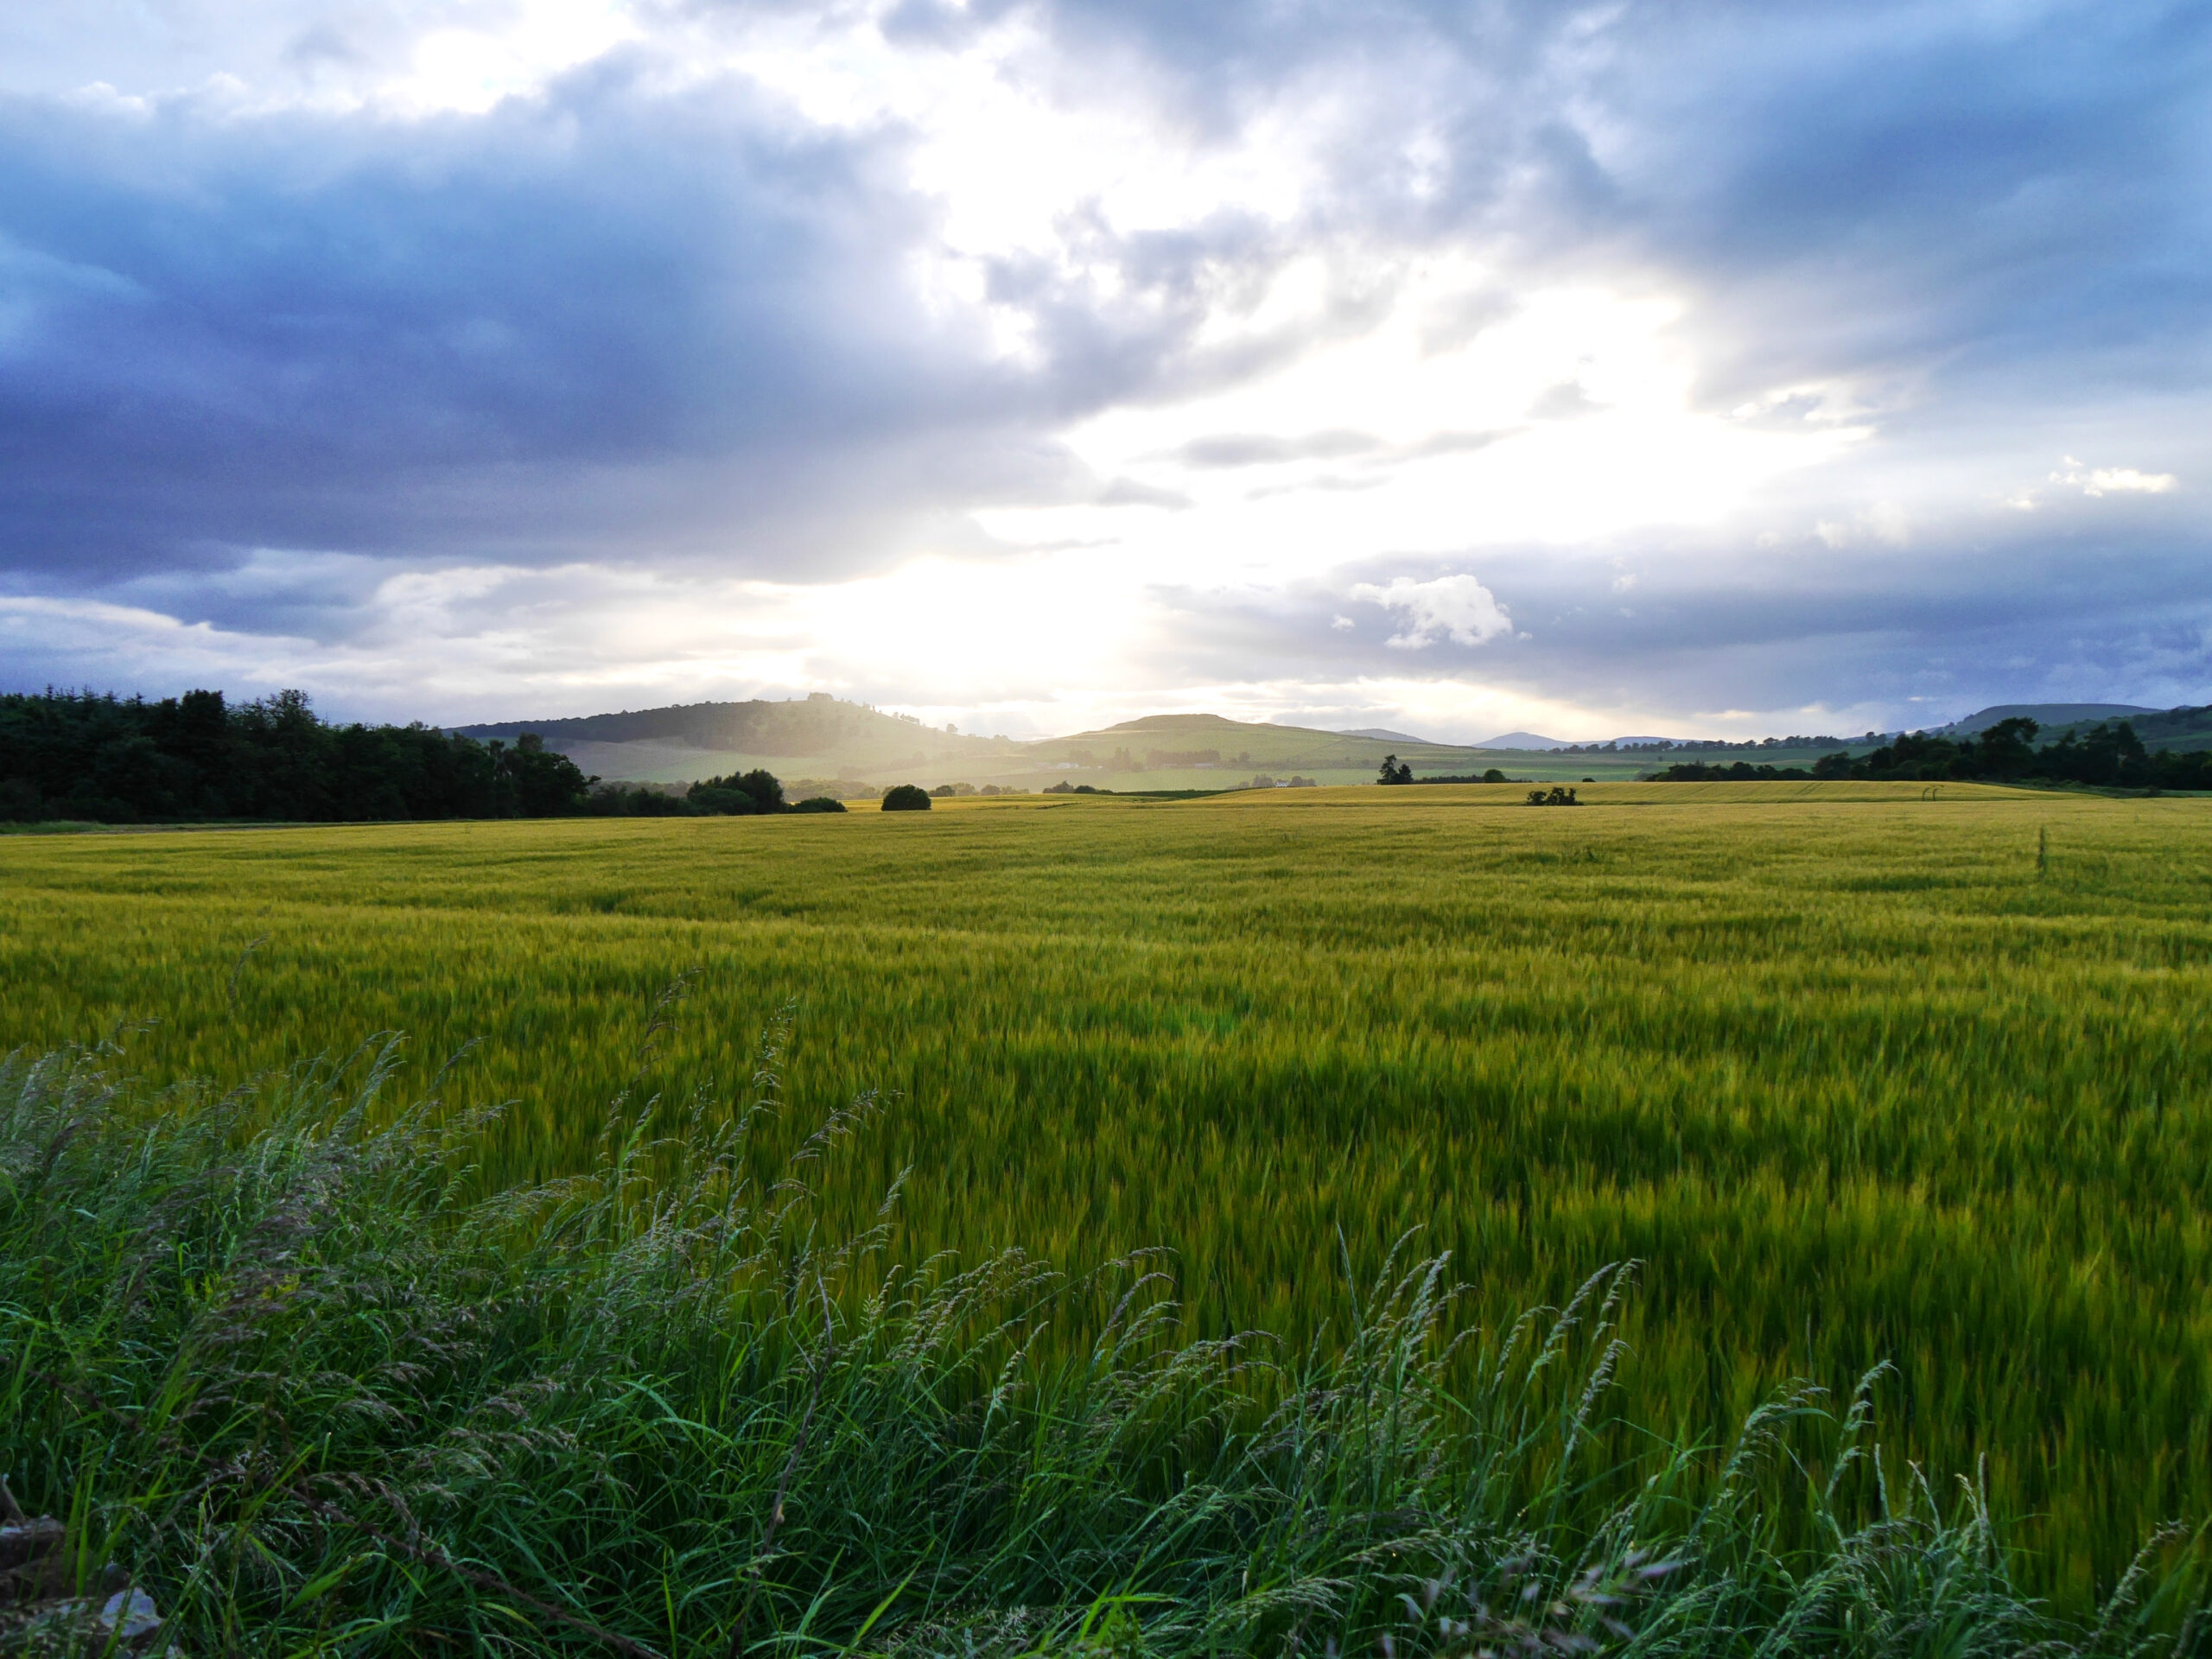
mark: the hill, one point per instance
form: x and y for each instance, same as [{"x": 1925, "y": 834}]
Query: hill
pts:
[
  {"x": 2177, "y": 729},
  {"x": 823, "y": 737},
  {"x": 2183, "y": 729},
  {"x": 1207, "y": 745},
  {"x": 2053, "y": 715},
  {"x": 817, "y": 736},
  {"x": 817, "y": 724},
  {"x": 827, "y": 738},
  {"x": 1524, "y": 740}
]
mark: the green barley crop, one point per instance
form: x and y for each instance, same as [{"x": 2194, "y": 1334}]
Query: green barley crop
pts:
[
  {"x": 1857, "y": 1077},
  {"x": 301, "y": 1378}
]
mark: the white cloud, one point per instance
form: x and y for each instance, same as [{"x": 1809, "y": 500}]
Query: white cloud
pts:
[
  {"x": 1376, "y": 441},
  {"x": 1032, "y": 648},
  {"x": 2113, "y": 481},
  {"x": 1457, "y": 607},
  {"x": 477, "y": 641}
]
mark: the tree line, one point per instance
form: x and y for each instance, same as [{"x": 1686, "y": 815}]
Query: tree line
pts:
[
  {"x": 2109, "y": 756},
  {"x": 101, "y": 758},
  {"x": 734, "y": 797}
]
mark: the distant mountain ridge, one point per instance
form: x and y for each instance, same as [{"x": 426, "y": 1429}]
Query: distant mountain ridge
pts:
[
  {"x": 828, "y": 739},
  {"x": 825, "y": 738},
  {"x": 1179, "y": 724},
  {"x": 1521, "y": 740}
]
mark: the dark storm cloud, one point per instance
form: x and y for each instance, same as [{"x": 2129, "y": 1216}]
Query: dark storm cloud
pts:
[
  {"x": 2010, "y": 194},
  {"x": 605, "y": 322},
  {"x": 595, "y": 319}
]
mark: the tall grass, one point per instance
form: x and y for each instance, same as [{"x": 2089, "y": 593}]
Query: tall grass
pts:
[
  {"x": 277, "y": 1358},
  {"x": 1853, "y": 1076}
]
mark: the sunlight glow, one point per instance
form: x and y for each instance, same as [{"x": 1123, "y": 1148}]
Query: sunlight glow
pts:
[{"x": 1571, "y": 419}]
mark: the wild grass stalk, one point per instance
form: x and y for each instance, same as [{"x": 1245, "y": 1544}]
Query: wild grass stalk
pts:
[{"x": 277, "y": 1355}]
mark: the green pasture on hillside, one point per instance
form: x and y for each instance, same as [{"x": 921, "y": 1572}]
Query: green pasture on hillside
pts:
[{"x": 1857, "y": 1072}]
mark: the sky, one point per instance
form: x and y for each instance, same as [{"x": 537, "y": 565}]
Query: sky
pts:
[{"x": 1688, "y": 367}]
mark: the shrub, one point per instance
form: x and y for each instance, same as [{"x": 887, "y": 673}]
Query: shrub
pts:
[
  {"x": 717, "y": 797},
  {"x": 760, "y": 784},
  {"x": 645, "y": 801},
  {"x": 906, "y": 797},
  {"x": 819, "y": 803}
]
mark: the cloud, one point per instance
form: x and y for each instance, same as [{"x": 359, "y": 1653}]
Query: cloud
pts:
[
  {"x": 2117, "y": 481},
  {"x": 1262, "y": 450},
  {"x": 1563, "y": 402},
  {"x": 1154, "y": 328},
  {"x": 1133, "y": 492},
  {"x": 610, "y": 317},
  {"x": 1457, "y": 607}
]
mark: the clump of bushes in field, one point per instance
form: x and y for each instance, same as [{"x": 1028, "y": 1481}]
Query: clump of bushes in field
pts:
[
  {"x": 274, "y": 1362},
  {"x": 1557, "y": 795},
  {"x": 1492, "y": 775},
  {"x": 756, "y": 791},
  {"x": 622, "y": 800},
  {"x": 905, "y": 797}
]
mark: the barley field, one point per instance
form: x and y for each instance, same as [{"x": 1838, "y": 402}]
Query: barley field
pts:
[{"x": 1855, "y": 1072}]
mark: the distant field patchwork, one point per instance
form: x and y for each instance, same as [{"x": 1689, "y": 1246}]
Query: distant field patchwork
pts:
[{"x": 1858, "y": 1072}]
